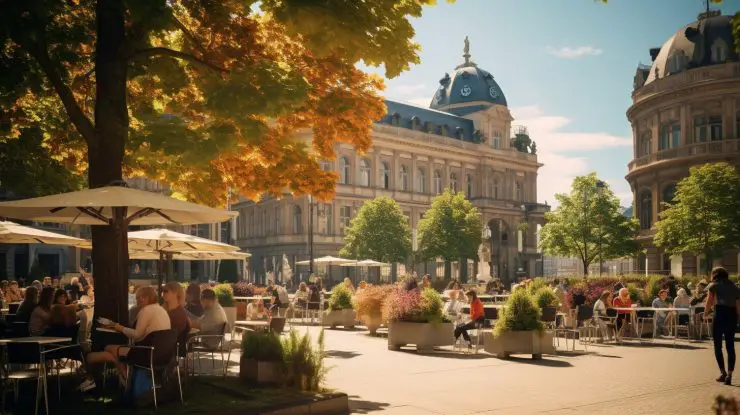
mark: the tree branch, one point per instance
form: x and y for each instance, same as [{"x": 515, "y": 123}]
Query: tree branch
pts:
[
  {"x": 159, "y": 51},
  {"x": 189, "y": 35}
]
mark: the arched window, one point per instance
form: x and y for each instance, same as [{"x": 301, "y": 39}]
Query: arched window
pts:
[
  {"x": 297, "y": 220},
  {"x": 468, "y": 186},
  {"x": 669, "y": 192},
  {"x": 453, "y": 182},
  {"x": 646, "y": 210},
  {"x": 396, "y": 119},
  {"x": 385, "y": 175},
  {"x": 364, "y": 173},
  {"x": 437, "y": 182},
  {"x": 415, "y": 123},
  {"x": 518, "y": 191},
  {"x": 404, "y": 178},
  {"x": 421, "y": 179},
  {"x": 676, "y": 62},
  {"x": 719, "y": 51},
  {"x": 344, "y": 170}
]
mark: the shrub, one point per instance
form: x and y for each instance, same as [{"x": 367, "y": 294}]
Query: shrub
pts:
[
  {"x": 369, "y": 302},
  {"x": 225, "y": 294},
  {"x": 519, "y": 314},
  {"x": 636, "y": 294},
  {"x": 265, "y": 347},
  {"x": 413, "y": 306},
  {"x": 536, "y": 284},
  {"x": 653, "y": 286},
  {"x": 545, "y": 297},
  {"x": 304, "y": 363},
  {"x": 341, "y": 298},
  {"x": 243, "y": 289}
]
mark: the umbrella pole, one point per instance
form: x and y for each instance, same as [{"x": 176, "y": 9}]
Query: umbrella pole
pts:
[
  {"x": 170, "y": 267},
  {"x": 160, "y": 271}
]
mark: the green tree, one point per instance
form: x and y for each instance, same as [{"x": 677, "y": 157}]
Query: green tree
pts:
[
  {"x": 451, "y": 229},
  {"x": 703, "y": 217},
  {"x": 202, "y": 95},
  {"x": 589, "y": 224},
  {"x": 380, "y": 231}
]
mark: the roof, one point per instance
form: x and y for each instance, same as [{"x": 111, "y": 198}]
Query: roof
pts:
[
  {"x": 414, "y": 117},
  {"x": 467, "y": 84}
]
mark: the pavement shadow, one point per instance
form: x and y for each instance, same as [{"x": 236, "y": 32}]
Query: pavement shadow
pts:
[
  {"x": 648, "y": 345},
  {"x": 447, "y": 354},
  {"x": 341, "y": 354},
  {"x": 539, "y": 362},
  {"x": 359, "y": 406}
]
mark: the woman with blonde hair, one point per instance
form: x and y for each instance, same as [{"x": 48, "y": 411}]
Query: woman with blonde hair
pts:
[
  {"x": 174, "y": 300},
  {"x": 349, "y": 285}
]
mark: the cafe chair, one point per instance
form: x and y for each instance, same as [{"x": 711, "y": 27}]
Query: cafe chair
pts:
[
  {"x": 210, "y": 343},
  {"x": 156, "y": 354}
]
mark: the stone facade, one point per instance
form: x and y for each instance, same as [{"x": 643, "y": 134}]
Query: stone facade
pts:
[
  {"x": 685, "y": 112},
  {"x": 417, "y": 153}
]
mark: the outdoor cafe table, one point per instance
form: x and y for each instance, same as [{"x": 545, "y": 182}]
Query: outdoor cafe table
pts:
[
  {"x": 466, "y": 308},
  {"x": 633, "y": 312},
  {"x": 256, "y": 325}
]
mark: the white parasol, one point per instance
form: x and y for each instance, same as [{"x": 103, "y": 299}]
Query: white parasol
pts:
[{"x": 13, "y": 233}]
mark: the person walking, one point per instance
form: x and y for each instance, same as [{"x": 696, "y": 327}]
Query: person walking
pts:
[{"x": 723, "y": 302}]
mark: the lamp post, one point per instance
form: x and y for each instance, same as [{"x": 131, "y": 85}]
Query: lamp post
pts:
[
  {"x": 310, "y": 235},
  {"x": 599, "y": 193},
  {"x": 487, "y": 236}
]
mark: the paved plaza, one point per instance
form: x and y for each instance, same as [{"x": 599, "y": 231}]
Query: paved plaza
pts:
[{"x": 628, "y": 379}]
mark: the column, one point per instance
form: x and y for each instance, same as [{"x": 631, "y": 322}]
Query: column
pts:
[
  {"x": 685, "y": 125},
  {"x": 728, "y": 117},
  {"x": 395, "y": 173},
  {"x": 446, "y": 179},
  {"x": 656, "y": 202},
  {"x": 375, "y": 169},
  {"x": 655, "y": 132},
  {"x": 412, "y": 174},
  {"x": 635, "y": 142}
]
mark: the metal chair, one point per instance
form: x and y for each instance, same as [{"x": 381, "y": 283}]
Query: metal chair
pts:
[
  {"x": 210, "y": 343},
  {"x": 681, "y": 322},
  {"x": 642, "y": 317},
  {"x": 583, "y": 313},
  {"x": 549, "y": 316},
  {"x": 158, "y": 356}
]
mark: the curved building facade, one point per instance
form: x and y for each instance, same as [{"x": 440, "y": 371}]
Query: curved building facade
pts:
[{"x": 685, "y": 112}]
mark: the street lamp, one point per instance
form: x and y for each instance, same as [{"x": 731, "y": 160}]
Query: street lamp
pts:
[
  {"x": 487, "y": 236},
  {"x": 310, "y": 235}
]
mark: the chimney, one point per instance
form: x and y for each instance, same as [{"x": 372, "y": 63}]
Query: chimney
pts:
[{"x": 654, "y": 53}]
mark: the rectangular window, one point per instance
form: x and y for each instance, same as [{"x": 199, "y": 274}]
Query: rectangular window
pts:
[
  {"x": 700, "y": 129},
  {"x": 496, "y": 142},
  {"x": 345, "y": 215},
  {"x": 715, "y": 128},
  {"x": 664, "y": 139},
  {"x": 675, "y": 135},
  {"x": 328, "y": 220}
]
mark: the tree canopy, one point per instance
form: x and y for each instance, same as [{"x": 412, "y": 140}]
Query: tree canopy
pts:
[
  {"x": 451, "y": 228},
  {"x": 589, "y": 223},
  {"x": 380, "y": 231},
  {"x": 703, "y": 217}
]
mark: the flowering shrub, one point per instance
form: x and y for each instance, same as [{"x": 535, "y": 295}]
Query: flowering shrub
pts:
[
  {"x": 591, "y": 289},
  {"x": 413, "y": 306},
  {"x": 369, "y": 301},
  {"x": 243, "y": 289}
]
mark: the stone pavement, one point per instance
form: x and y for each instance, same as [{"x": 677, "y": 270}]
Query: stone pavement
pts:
[{"x": 631, "y": 379}]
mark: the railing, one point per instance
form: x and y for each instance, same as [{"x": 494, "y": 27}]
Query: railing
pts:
[
  {"x": 691, "y": 150},
  {"x": 728, "y": 71}
]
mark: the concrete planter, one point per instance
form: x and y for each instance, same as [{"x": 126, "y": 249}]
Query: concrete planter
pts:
[
  {"x": 425, "y": 336},
  {"x": 519, "y": 342},
  {"x": 334, "y": 318},
  {"x": 230, "y": 316},
  {"x": 372, "y": 322},
  {"x": 259, "y": 372},
  {"x": 241, "y": 310}
]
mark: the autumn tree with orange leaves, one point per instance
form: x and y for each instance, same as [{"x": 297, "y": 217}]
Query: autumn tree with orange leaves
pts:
[{"x": 202, "y": 95}]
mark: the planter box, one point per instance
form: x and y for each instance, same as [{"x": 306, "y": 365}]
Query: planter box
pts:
[
  {"x": 519, "y": 342},
  {"x": 259, "y": 372},
  {"x": 372, "y": 322},
  {"x": 230, "y": 316},
  {"x": 334, "y": 318},
  {"x": 241, "y": 310},
  {"x": 425, "y": 336}
]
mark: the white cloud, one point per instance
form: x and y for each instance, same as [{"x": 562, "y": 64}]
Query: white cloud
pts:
[
  {"x": 556, "y": 148},
  {"x": 407, "y": 89},
  {"x": 420, "y": 101},
  {"x": 567, "y": 52}
]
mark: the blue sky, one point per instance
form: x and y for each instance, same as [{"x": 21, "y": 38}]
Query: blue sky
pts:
[{"x": 565, "y": 66}]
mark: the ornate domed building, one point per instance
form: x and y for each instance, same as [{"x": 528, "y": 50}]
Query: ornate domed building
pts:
[
  {"x": 685, "y": 112},
  {"x": 462, "y": 141}
]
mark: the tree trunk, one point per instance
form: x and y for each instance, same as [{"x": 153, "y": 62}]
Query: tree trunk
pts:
[
  {"x": 585, "y": 268},
  {"x": 105, "y": 156},
  {"x": 464, "y": 269},
  {"x": 448, "y": 270},
  {"x": 709, "y": 258}
]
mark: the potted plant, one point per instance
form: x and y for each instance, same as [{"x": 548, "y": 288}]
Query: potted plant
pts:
[
  {"x": 415, "y": 317},
  {"x": 340, "y": 312},
  {"x": 225, "y": 295},
  {"x": 304, "y": 361},
  {"x": 261, "y": 362},
  {"x": 545, "y": 297},
  {"x": 519, "y": 330},
  {"x": 242, "y": 289},
  {"x": 369, "y": 305}
]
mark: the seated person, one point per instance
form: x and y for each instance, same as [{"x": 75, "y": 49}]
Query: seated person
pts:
[
  {"x": 151, "y": 318},
  {"x": 682, "y": 304},
  {"x": 256, "y": 310},
  {"x": 623, "y": 301},
  {"x": 452, "y": 307},
  {"x": 28, "y": 304},
  {"x": 661, "y": 317},
  {"x": 301, "y": 296},
  {"x": 174, "y": 299},
  {"x": 13, "y": 293},
  {"x": 212, "y": 320},
  {"x": 477, "y": 315},
  {"x": 41, "y": 315},
  {"x": 74, "y": 289},
  {"x": 700, "y": 294},
  {"x": 602, "y": 304},
  {"x": 192, "y": 301}
]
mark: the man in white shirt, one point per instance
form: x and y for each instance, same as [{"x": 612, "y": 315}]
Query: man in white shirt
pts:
[{"x": 212, "y": 320}]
